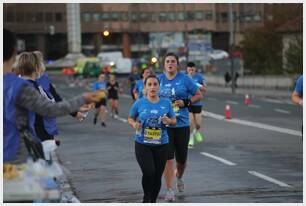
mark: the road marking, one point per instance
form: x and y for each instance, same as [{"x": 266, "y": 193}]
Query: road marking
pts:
[
  {"x": 254, "y": 124},
  {"x": 121, "y": 119},
  {"x": 270, "y": 179},
  {"x": 211, "y": 98},
  {"x": 212, "y": 115},
  {"x": 219, "y": 159},
  {"x": 274, "y": 101},
  {"x": 254, "y": 106},
  {"x": 231, "y": 102},
  {"x": 282, "y": 111}
]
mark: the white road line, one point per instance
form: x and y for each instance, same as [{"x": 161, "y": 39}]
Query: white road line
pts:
[
  {"x": 267, "y": 127},
  {"x": 254, "y": 124},
  {"x": 211, "y": 98},
  {"x": 212, "y": 115},
  {"x": 231, "y": 102},
  {"x": 282, "y": 111},
  {"x": 122, "y": 119},
  {"x": 270, "y": 179},
  {"x": 254, "y": 106},
  {"x": 219, "y": 159},
  {"x": 274, "y": 101}
]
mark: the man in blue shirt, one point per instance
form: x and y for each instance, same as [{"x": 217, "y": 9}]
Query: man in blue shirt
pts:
[{"x": 195, "y": 109}]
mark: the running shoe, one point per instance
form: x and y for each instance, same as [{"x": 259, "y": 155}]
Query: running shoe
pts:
[
  {"x": 191, "y": 142},
  {"x": 180, "y": 185},
  {"x": 170, "y": 196},
  {"x": 198, "y": 137}
]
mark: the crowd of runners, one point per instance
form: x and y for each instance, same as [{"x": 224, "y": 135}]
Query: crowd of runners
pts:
[{"x": 166, "y": 114}]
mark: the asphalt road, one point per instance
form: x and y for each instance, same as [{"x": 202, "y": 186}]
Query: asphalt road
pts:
[{"x": 255, "y": 157}]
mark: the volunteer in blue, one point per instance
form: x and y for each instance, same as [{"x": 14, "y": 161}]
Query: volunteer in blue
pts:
[
  {"x": 195, "y": 109},
  {"x": 178, "y": 88},
  {"x": 150, "y": 116},
  {"x": 19, "y": 97},
  {"x": 139, "y": 90}
]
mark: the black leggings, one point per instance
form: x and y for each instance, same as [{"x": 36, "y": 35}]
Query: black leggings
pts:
[{"x": 152, "y": 161}]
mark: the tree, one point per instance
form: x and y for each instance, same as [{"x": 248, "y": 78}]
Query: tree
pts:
[
  {"x": 262, "y": 47},
  {"x": 294, "y": 56},
  {"x": 262, "y": 51}
]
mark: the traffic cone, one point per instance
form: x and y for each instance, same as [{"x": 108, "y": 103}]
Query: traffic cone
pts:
[
  {"x": 228, "y": 112},
  {"x": 247, "y": 99}
]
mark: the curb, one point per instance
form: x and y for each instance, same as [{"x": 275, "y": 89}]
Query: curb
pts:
[{"x": 67, "y": 195}]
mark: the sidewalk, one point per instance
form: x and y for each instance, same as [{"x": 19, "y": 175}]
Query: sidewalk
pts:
[{"x": 267, "y": 93}]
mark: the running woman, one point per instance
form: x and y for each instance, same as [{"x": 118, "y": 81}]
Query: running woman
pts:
[
  {"x": 177, "y": 87},
  {"x": 113, "y": 89},
  {"x": 100, "y": 87},
  {"x": 195, "y": 109},
  {"x": 139, "y": 90},
  {"x": 149, "y": 117}
]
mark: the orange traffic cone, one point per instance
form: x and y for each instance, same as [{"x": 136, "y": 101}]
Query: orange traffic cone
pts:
[
  {"x": 247, "y": 99},
  {"x": 228, "y": 113}
]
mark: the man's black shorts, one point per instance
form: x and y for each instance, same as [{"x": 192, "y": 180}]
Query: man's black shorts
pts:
[
  {"x": 102, "y": 102},
  {"x": 195, "y": 109}
]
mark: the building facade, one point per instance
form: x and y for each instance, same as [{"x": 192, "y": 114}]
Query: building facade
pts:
[{"x": 133, "y": 27}]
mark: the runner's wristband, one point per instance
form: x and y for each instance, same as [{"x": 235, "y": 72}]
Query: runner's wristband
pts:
[{"x": 187, "y": 102}]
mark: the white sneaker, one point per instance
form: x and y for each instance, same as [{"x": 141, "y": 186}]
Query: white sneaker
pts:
[
  {"x": 180, "y": 185},
  {"x": 170, "y": 196}
]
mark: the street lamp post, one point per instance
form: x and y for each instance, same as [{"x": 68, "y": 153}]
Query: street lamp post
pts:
[{"x": 231, "y": 46}]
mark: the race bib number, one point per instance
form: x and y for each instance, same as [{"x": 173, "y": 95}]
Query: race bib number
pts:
[{"x": 152, "y": 135}]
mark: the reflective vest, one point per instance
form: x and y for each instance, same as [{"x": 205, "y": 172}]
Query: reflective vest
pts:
[
  {"x": 11, "y": 138},
  {"x": 49, "y": 123}
]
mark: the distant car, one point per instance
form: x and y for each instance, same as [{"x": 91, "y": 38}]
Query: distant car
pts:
[
  {"x": 218, "y": 54},
  {"x": 88, "y": 67}
]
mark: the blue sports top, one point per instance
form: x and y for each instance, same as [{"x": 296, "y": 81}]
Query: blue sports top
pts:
[
  {"x": 198, "y": 79},
  {"x": 98, "y": 85},
  {"x": 299, "y": 86},
  {"x": 153, "y": 131},
  {"x": 139, "y": 87},
  {"x": 180, "y": 87}
]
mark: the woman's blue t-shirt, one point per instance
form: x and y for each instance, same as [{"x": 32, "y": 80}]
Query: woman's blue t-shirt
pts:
[
  {"x": 153, "y": 131},
  {"x": 180, "y": 87}
]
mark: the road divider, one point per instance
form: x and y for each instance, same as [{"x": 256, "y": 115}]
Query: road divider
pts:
[
  {"x": 270, "y": 179},
  {"x": 254, "y": 106},
  {"x": 231, "y": 102},
  {"x": 254, "y": 124},
  {"x": 224, "y": 161},
  {"x": 282, "y": 111}
]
